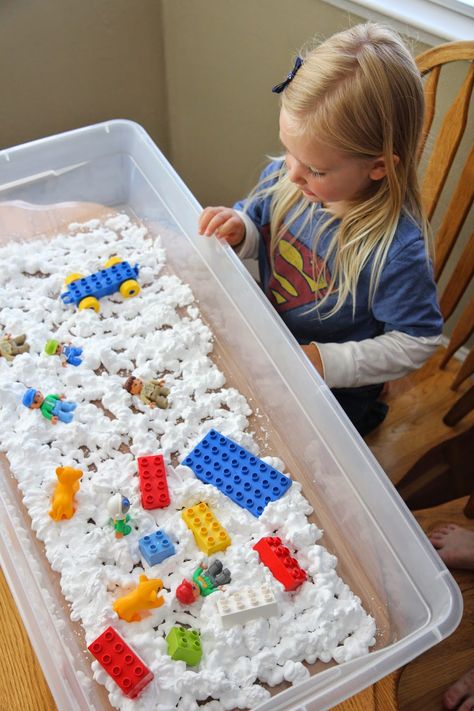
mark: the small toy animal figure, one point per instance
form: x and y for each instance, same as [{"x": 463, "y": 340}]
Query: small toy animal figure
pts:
[
  {"x": 63, "y": 497},
  {"x": 151, "y": 392},
  {"x": 143, "y": 597},
  {"x": 118, "y": 508},
  {"x": 10, "y": 346},
  {"x": 66, "y": 351}
]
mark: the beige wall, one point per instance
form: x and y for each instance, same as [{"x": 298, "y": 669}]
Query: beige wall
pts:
[
  {"x": 197, "y": 74},
  {"x": 222, "y": 58},
  {"x": 70, "y": 63}
]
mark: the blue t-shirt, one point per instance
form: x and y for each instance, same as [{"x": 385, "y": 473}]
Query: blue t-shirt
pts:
[{"x": 405, "y": 299}]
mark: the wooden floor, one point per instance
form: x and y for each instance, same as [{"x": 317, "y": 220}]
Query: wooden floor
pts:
[{"x": 424, "y": 680}]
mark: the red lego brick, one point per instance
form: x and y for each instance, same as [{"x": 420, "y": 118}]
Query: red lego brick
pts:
[
  {"x": 153, "y": 482},
  {"x": 127, "y": 669},
  {"x": 278, "y": 559}
]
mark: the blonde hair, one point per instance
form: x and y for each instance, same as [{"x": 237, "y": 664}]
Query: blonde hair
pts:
[{"x": 360, "y": 93}]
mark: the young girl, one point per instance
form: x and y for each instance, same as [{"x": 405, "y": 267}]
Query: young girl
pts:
[{"x": 337, "y": 223}]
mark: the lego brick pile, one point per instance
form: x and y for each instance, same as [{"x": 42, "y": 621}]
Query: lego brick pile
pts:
[{"x": 223, "y": 521}]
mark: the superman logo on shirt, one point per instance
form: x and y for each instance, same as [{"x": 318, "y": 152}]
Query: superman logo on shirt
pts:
[{"x": 293, "y": 283}]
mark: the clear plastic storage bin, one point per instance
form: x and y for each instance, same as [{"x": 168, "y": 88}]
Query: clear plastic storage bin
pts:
[{"x": 383, "y": 555}]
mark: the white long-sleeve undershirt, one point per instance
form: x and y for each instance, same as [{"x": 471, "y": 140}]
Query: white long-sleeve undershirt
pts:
[{"x": 356, "y": 363}]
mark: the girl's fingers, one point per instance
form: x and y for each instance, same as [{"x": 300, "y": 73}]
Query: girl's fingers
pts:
[
  {"x": 216, "y": 222},
  {"x": 224, "y": 223},
  {"x": 206, "y": 216},
  {"x": 229, "y": 226}
]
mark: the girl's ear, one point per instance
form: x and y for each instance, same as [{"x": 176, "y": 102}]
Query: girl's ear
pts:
[{"x": 378, "y": 169}]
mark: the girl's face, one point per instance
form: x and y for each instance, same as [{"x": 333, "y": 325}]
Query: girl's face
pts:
[{"x": 324, "y": 174}]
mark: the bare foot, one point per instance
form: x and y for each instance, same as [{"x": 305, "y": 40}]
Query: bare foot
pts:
[
  {"x": 460, "y": 695},
  {"x": 455, "y": 546}
]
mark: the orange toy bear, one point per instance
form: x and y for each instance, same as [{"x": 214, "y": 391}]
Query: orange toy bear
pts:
[
  {"x": 63, "y": 497},
  {"x": 143, "y": 597}
]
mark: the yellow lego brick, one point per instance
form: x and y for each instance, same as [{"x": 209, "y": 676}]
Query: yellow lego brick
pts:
[{"x": 209, "y": 535}]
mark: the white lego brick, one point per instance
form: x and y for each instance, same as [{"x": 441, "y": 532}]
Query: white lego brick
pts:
[{"x": 237, "y": 608}]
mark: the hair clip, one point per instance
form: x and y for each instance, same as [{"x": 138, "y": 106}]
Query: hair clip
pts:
[{"x": 278, "y": 88}]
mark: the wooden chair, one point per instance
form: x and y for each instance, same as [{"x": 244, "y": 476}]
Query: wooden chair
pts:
[{"x": 428, "y": 432}]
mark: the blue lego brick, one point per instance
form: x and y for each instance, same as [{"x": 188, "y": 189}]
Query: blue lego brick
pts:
[
  {"x": 99, "y": 284},
  {"x": 156, "y": 547},
  {"x": 241, "y": 476}
]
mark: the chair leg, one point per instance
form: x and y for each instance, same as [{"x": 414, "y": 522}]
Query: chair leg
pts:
[
  {"x": 441, "y": 474},
  {"x": 469, "y": 508},
  {"x": 460, "y": 408}
]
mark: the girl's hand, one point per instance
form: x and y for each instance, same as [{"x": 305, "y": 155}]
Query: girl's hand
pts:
[{"x": 224, "y": 223}]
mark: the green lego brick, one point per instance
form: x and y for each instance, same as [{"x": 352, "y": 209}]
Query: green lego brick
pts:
[{"x": 185, "y": 645}]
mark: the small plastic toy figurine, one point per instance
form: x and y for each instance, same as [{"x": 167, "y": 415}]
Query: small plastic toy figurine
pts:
[
  {"x": 66, "y": 352},
  {"x": 143, "y": 597},
  {"x": 10, "y": 346},
  {"x": 203, "y": 583},
  {"x": 151, "y": 392},
  {"x": 63, "y": 498},
  {"x": 53, "y": 407},
  {"x": 118, "y": 507}
]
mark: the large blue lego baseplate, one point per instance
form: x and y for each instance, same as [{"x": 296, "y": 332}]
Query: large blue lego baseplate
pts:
[
  {"x": 241, "y": 476},
  {"x": 101, "y": 283}
]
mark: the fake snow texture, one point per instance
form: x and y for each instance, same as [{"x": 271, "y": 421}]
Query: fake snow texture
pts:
[{"x": 157, "y": 334}]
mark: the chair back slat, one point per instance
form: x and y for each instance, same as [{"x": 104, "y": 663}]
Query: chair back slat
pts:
[
  {"x": 455, "y": 216},
  {"x": 438, "y": 165},
  {"x": 446, "y": 145},
  {"x": 445, "y": 53},
  {"x": 429, "y": 90},
  {"x": 465, "y": 371},
  {"x": 463, "y": 330},
  {"x": 459, "y": 280},
  {"x": 423, "y": 403}
]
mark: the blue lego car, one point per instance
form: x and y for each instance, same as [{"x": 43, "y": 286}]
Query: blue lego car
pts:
[{"x": 117, "y": 275}]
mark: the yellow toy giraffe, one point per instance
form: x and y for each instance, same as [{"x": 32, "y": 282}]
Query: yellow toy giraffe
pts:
[
  {"x": 63, "y": 498},
  {"x": 143, "y": 597}
]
